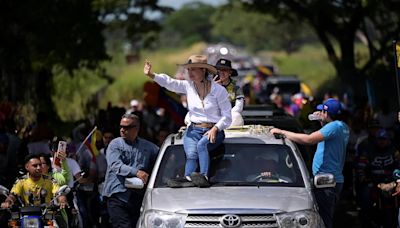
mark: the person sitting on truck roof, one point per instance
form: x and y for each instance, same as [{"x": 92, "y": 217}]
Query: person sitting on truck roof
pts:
[
  {"x": 209, "y": 114},
  {"x": 236, "y": 96}
]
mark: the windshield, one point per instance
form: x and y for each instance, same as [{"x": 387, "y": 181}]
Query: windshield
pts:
[{"x": 238, "y": 165}]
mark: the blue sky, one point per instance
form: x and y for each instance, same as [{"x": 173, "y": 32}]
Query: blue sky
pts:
[{"x": 178, "y": 3}]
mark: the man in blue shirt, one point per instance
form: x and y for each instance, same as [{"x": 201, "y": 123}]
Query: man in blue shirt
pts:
[
  {"x": 127, "y": 156},
  {"x": 330, "y": 155}
]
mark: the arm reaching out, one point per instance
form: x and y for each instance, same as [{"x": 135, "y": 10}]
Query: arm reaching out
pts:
[{"x": 305, "y": 139}]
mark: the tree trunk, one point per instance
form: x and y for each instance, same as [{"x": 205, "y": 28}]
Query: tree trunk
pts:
[
  {"x": 347, "y": 71},
  {"x": 43, "y": 81},
  {"x": 13, "y": 87},
  {"x": 21, "y": 87}
]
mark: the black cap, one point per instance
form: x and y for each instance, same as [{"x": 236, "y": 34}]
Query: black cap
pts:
[{"x": 226, "y": 64}]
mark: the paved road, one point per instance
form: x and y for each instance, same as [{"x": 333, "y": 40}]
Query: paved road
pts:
[{"x": 346, "y": 215}]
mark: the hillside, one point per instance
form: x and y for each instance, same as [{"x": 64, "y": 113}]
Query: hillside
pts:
[{"x": 309, "y": 63}]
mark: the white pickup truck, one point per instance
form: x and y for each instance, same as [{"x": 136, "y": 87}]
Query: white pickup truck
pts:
[{"x": 257, "y": 180}]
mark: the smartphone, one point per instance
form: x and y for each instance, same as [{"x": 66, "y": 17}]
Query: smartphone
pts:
[
  {"x": 216, "y": 78},
  {"x": 62, "y": 147}
]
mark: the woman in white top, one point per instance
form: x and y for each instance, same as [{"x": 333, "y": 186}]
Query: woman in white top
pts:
[{"x": 209, "y": 114}]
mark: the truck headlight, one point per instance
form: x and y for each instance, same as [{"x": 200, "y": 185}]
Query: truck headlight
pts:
[
  {"x": 300, "y": 219},
  {"x": 30, "y": 222},
  {"x": 162, "y": 219}
]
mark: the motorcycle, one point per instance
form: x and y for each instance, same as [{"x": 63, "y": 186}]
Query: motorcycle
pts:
[
  {"x": 29, "y": 216},
  {"x": 76, "y": 218}
]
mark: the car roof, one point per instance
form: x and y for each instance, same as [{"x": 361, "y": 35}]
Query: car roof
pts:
[
  {"x": 237, "y": 134},
  {"x": 269, "y": 115}
]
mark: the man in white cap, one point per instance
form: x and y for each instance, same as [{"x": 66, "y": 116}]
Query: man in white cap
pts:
[{"x": 134, "y": 106}]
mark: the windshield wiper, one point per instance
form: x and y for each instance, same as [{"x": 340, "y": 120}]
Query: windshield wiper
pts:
[{"x": 236, "y": 184}]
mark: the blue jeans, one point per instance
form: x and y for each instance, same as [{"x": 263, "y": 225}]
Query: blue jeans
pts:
[
  {"x": 327, "y": 199},
  {"x": 196, "y": 147}
]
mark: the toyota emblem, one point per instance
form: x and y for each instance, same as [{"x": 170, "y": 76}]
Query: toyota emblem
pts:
[{"x": 230, "y": 221}]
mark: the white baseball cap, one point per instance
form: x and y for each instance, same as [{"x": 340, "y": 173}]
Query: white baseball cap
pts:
[{"x": 134, "y": 102}]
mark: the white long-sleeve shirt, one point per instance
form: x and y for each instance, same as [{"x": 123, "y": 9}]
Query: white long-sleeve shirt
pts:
[
  {"x": 239, "y": 103},
  {"x": 217, "y": 107}
]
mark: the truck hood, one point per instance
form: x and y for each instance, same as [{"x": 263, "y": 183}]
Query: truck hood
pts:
[{"x": 276, "y": 199}]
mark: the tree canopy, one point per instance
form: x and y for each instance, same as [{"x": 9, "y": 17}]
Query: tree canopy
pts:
[
  {"x": 340, "y": 23},
  {"x": 234, "y": 24},
  {"x": 38, "y": 37},
  {"x": 188, "y": 25},
  {"x": 139, "y": 18},
  {"x": 256, "y": 30}
]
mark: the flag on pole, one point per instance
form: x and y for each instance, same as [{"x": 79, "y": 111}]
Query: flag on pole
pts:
[
  {"x": 157, "y": 96},
  {"x": 396, "y": 48},
  {"x": 398, "y": 53},
  {"x": 90, "y": 143},
  {"x": 171, "y": 102}
]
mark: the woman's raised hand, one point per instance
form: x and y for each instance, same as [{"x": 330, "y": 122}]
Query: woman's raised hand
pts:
[{"x": 147, "y": 69}]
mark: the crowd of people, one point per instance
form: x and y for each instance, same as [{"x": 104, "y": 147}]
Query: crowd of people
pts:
[{"x": 357, "y": 145}]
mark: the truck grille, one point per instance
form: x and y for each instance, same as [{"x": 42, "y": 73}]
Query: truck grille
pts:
[{"x": 246, "y": 221}]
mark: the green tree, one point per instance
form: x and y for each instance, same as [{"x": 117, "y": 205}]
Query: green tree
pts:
[
  {"x": 38, "y": 35},
  {"x": 140, "y": 19},
  {"x": 41, "y": 38},
  {"x": 188, "y": 25},
  {"x": 337, "y": 23},
  {"x": 256, "y": 30}
]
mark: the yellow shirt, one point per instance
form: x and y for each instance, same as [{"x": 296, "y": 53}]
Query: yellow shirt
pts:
[{"x": 30, "y": 191}]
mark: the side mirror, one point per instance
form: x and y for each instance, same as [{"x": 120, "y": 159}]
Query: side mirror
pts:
[
  {"x": 4, "y": 191},
  {"x": 324, "y": 180},
  {"x": 64, "y": 190}
]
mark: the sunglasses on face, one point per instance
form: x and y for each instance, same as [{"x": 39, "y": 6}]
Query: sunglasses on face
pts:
[{"x": 127, "y": 127}]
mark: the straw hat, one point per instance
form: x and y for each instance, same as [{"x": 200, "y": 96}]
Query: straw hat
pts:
[{"x": 199, "y": 61}]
